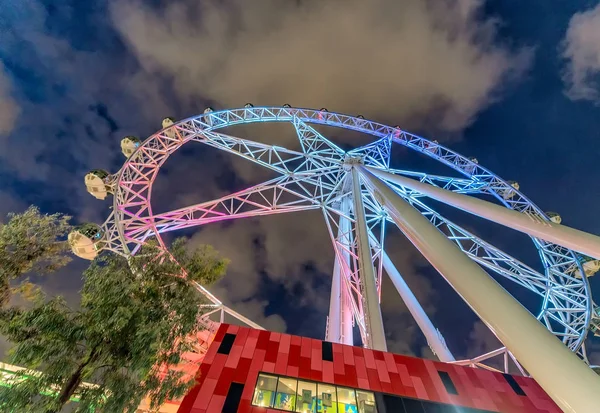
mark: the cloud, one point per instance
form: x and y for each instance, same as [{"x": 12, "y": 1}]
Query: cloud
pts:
[
  {"x": 9, "y": 109},
  {"x": 405, "y": 63},
  {"x": 397, "y": 61},
  {"x": 581, "y": 49}
]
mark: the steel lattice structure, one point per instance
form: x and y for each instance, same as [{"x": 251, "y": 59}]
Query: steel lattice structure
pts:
[{"x": 341, "y": 184}]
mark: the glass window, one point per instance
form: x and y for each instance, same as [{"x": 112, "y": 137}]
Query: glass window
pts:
[
  {"x": 285, "y": 398},
  {"x": 306, "y": 397},
  {"x": 264, "y": 393},
  {"x": 346, "y": 400},
  {"x": 327, "y": 399},
  {"x": 366, "y": 401}
]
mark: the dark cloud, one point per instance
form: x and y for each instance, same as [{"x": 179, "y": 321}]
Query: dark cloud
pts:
[
  {"x": 385, "y": 59},
  {"x": 403, "y": 62},
  {"x": 581, "y": 49},
  {"x": 9, "y": 109}
]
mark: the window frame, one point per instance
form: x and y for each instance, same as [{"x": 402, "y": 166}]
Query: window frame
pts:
[{"x": 308, "y": 381}]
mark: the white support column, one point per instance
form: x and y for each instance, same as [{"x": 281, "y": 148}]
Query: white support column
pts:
[
  {"x": 559, "y": 234},
  {"x": 373, "y": 319},
  {"x": 339, "y": 329},
  {"x": 334, "y": 320},
  {"x": 347, "y": 317},
  {"x": 567, "y": 379},
  {"x": 433, "y": 336}
]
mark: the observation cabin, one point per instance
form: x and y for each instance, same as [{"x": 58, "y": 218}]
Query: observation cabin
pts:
[
  {"x": 97, "y": 183},
  {"x": 590, "y": 267},
  {"x": 166, "y": 123},
  {"x": 554, "y": 217},
  {"x": 509, "y": 193},
  {"x": 129, "y": 144},
  {"x": 470, "y": 167},
  {"x": 86, "y": 240}
]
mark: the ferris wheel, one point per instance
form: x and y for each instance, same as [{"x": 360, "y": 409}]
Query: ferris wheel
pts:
[{"x": 359, "y": 193}]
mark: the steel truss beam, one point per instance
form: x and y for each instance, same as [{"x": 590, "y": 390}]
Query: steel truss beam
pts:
[{"x": 528, "y": 223}]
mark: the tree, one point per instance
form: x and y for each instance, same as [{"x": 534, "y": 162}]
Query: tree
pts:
[
  {"x": 31, "y": 242},
  {"x": 133, "y": 317}
]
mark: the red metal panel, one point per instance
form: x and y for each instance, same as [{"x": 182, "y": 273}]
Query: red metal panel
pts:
[
  {"x": 363, "y": 383},
  {"x": 369, "y": 359},
  {"x": 245, "y": 406},
  {"x": 223, "y": 381},
  {"x": 248, "y": 392},
  {"x": 316, "y": 360},
  {"x": 374, "y": 383},
  {"x": 397, "y": 387},
  {"x": 361, "y": 368},
  {"x": 188, "y": 401},
  {"x": 348, "y": 355},
  {"x": 263, "y": 340},
  {"x": 304, "y": 371},
  {"x": 328, "y": 376},
  {"x": 316, "y": 375},
  {"x": 216, "y": 404},
  {"x": 350, "y": 377},
  {"x": 206, "y": 392},
  {"x": 217, "y": 366},
  {"x": 272, "y": 350},
  {"x": 258, "y": 360},
  {"x": 268, "y": 367},
  {"x": 254, "y": 351},
  {"x": 294, "y": 359},
  {"x": 234, "y": 355},
  {"x": 282, "y": 362},
  {"x": 404, "y": 375},
  {"x": 284, "y": 343},
  {"x": 382, "y": 371},
  {"x": 241, "y": 372},
  {"x": 305, "y": 347},
  {"x": 293, "y": 371},
  {"x": 249, "y": 347},
  {"x": 420, "y": 388},
  {"x": 390, "y": 363},
  {"x": 220, "y": 333}
]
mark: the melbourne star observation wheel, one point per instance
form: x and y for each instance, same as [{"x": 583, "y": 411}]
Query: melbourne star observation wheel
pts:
[{"x": 359, "y": 194}]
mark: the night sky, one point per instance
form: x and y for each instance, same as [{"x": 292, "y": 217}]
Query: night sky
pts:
[{"x": 513, "y": 83}]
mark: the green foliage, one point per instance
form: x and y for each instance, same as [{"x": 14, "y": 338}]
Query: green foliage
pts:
[
  {"x": 129, "y": 323},
  {"x": 31, "y": 242}
]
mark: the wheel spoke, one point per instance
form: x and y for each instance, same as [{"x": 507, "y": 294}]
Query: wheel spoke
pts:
[
  {"x": 458, "y": 185},
  {"x": 313, "y": 143},
  {"x": 376, "y": 154},
  {"x": 557, "y": 297},
  {"x": 280, "y": 195},
  {"x": 479, "y": 250}
]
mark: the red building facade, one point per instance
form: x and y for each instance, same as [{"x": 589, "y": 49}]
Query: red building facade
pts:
[{"x": 253, "y": 371}]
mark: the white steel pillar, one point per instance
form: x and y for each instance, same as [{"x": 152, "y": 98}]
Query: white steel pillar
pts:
[
  {"x": 339, "y": 328},
  {"x": 334, "y": 320},
  {"x": 566, "y": 379},
  {"x": 347, "y": 316},
  {"x": 433, "y": 336},
  {"x": 559, "y": 234},
  {"x": 370, "y": 297}
]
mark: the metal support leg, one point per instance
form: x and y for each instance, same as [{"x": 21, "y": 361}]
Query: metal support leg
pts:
[
  {"x": 339, "y": 328},
  {"x": 433, "y": 336},
  {"x": 334, "y": 321},
  {"x": 347, "y": 318},
  {"x": 373, "y": 319},
  {"x": 559, "y": 234},
  {"x": 566, "y": 379}
]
